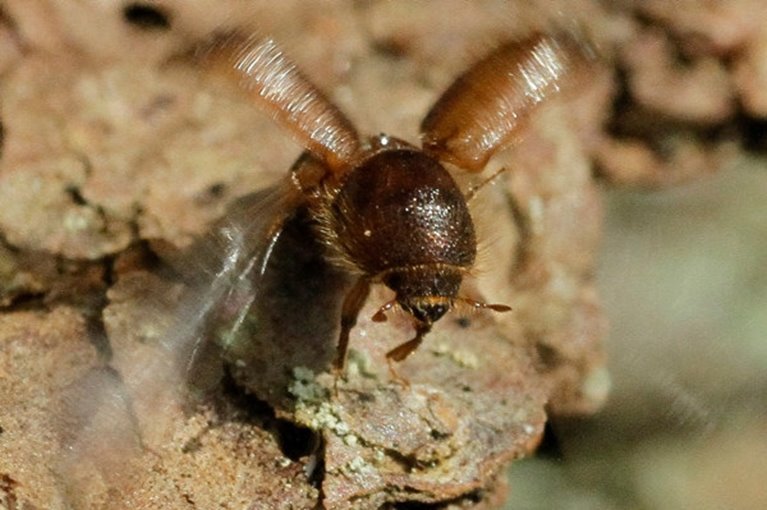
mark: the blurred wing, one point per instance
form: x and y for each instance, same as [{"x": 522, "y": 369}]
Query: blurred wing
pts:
[
  {"x": 225, "y": 268},
  {"x": 258, "y": 67},
  {"x": 118, "y": 415},
  {"x": 485, "y": 108}
]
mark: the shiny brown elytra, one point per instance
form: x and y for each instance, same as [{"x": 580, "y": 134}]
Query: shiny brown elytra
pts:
[{"x": 387, "y": 211}]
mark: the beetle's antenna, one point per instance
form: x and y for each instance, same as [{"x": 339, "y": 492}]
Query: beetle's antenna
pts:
[
  {"x": 380, "y": 315},
  {"x": 475, "y": 188},
  {"x": 479, "y": 305}
]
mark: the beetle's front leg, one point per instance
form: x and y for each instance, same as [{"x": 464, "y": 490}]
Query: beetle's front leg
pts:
[{"x": 352, "y": 305}]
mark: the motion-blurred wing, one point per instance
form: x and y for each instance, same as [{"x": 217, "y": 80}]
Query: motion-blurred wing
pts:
[
  {"x": 118, "y": 415},
  {"x": 230, "y": 262}
]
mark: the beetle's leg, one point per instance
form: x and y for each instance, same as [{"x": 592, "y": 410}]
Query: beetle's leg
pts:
[
  {"x": 402, "y": 351},
  {"x": 352, "y": 305}
]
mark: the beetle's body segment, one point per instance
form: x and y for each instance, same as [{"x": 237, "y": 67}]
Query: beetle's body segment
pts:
[{"x": 401, "y": 208}]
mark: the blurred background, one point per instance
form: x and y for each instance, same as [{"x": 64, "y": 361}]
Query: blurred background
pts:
[{"x": 683, "y": 275}]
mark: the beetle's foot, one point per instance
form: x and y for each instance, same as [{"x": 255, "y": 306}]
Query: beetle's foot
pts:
[{"x": 395, "y": 375}]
